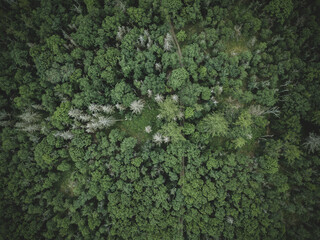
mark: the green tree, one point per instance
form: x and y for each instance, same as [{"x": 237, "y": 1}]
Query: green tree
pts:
[
  {"x": 214, "y": 124},
  {"x": 60, "y": 118},
  {"x": 178, "y": 78},
  {"x": 169, "y": 109},
  {"x": 281, "y": 10},
  {"x": 173, "y": 131}
]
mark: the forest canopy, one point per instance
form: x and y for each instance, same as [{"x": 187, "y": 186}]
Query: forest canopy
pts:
[{"x": 159, "y": 119}]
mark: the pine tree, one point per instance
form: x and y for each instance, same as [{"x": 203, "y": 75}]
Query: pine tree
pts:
[
  {"x": 120, "y": 107},
  {"x": 166, "y": 139},
  {"x": 94, "y": 108},
  {"x": 137, "y": 106},
  {"x": 157, "y": 138},
  {"x": 107, "y": 109},
  {"x": 84, "y": 118},
  {"x": 167, "y": 46},
  {"x": 30, "y": 117},
  {"x": 158, "y": 67},
  {"x": 158, "y": 98},
  {"x": 75, "y": 113},
  {"x": 106, "y": 121},
  {"x": 175, "y": 98},
  {"x": 148, "y": 129},
  {"x": 312, "y": 143}
]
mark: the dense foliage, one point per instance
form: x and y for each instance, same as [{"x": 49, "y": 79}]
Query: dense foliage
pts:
[{"x": 149, "y": 119}]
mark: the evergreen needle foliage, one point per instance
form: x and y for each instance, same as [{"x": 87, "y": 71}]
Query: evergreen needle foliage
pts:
[{"x": 159, "y": 119}]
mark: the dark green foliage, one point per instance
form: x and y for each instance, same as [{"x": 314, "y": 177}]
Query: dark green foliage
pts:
[
  {"x": 159, "y": 119},
  {"x": 178, "y": 78},
  {"x": 171, "y": 7},
  {"x": 44, "y": 155},
  {"x": 189, "y": 94},
  {"x": 281, "y": 10},
  {"x": 60, "y": 117}
]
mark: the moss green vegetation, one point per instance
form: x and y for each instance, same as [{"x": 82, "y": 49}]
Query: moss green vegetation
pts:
[
  {"x": 68, "y": 186},
  {"x": 235, "y": 47},
  {"x": 135, "y": 125}
]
